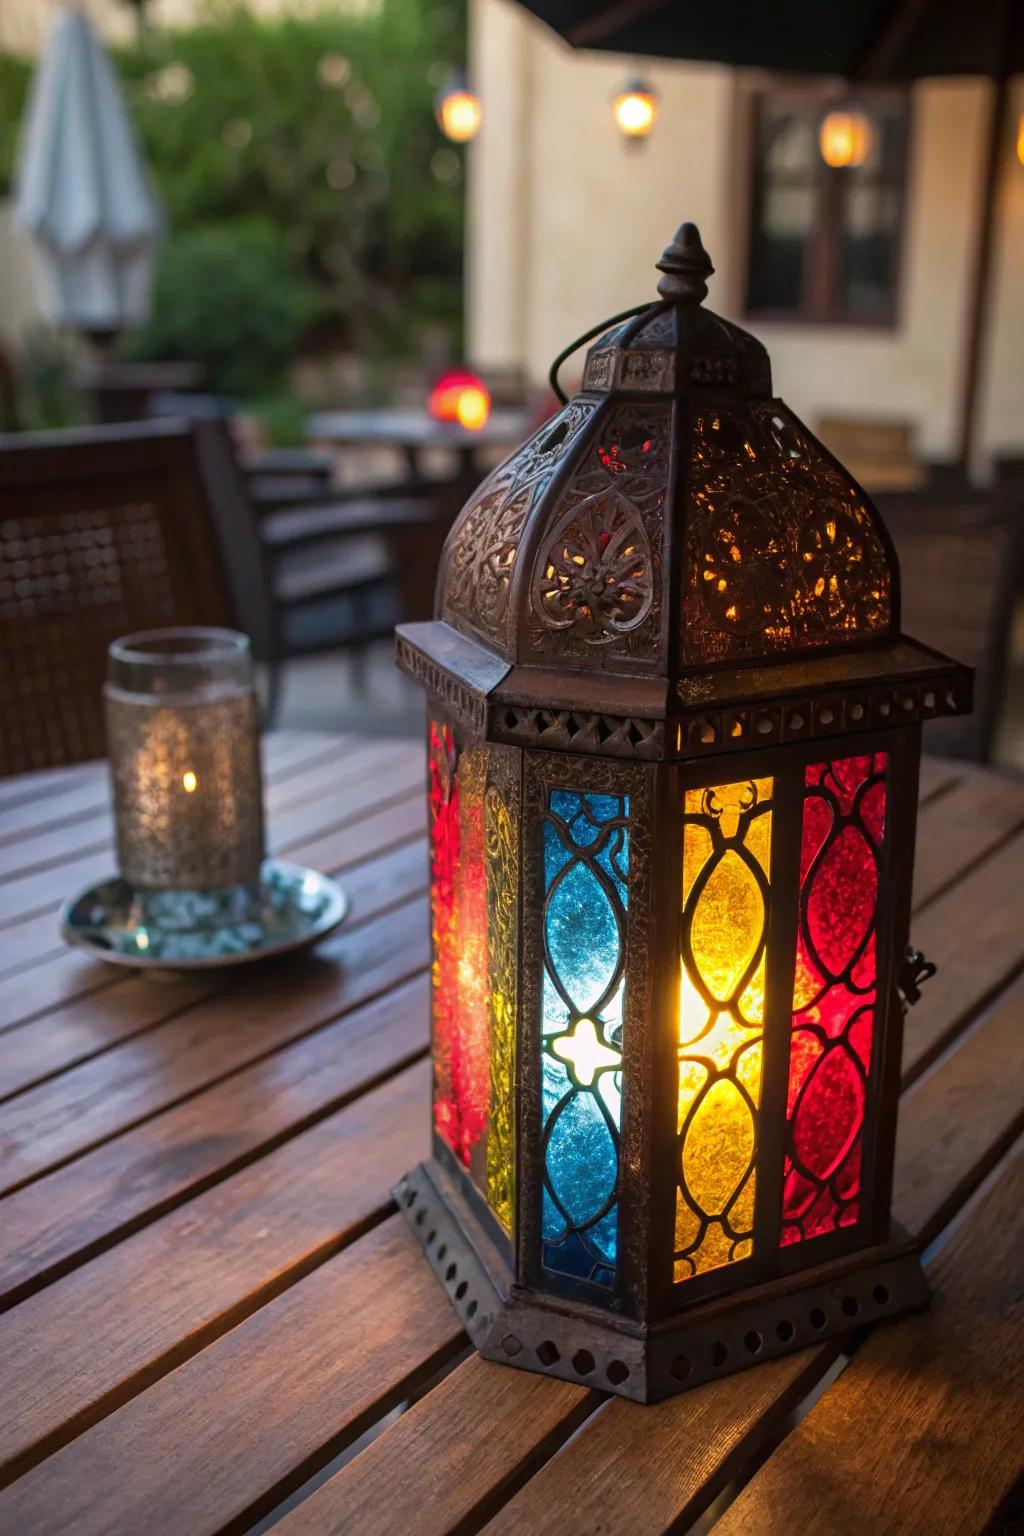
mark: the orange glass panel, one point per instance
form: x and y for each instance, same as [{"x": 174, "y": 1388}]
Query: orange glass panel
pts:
[{"x": 726, "y": 869}]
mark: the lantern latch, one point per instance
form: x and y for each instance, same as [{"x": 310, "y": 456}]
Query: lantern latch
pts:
[{"x": 914, "y": 971}]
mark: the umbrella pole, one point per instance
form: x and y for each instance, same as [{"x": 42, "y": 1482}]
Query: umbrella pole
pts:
[{"x": 981, "y": 289}]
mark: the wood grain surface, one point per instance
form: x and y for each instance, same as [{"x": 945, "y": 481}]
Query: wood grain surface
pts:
[{"x": 209, "y": 1315}]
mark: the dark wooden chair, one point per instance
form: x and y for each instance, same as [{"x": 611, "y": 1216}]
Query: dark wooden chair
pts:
[
  {"x": 345, "y": 563},
  {"x": 961, "y": 557},
  {"x": 103, "y": 531}
]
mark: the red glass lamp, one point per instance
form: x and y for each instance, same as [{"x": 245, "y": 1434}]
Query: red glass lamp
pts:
[{"x": 674, "y": 742}]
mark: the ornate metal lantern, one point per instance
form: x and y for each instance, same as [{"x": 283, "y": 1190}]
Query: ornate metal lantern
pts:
[{"x": 674, "y": 736}]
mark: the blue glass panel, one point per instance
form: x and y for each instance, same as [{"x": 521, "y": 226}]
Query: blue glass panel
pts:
[{"x": 586, "y": 870}]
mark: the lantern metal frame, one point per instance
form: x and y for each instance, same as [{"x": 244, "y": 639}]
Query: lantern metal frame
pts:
[{"x": 652, "y": 736}]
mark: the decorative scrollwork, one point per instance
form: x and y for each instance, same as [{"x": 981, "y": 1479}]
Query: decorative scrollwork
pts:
[
  {"x": 483, "y": 546},
  {"x": 783, "y": 553},
  {"x": 596, "y": 581},
  {"x": 596, "y": 576}
]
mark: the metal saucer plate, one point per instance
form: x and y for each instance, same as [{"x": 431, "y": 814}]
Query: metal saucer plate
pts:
[{"x": 292, "y": 908}]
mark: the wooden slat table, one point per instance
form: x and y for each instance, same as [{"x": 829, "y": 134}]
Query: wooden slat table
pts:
[{"x": 212, "y": 1316}]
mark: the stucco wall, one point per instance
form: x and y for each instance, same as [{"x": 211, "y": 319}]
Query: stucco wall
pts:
[{"x": 566, "y": 220}]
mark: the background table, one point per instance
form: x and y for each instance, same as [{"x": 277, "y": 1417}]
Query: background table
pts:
[
  {"x": 413, "y": 431},
  {"x": 209, "y": 1297}
]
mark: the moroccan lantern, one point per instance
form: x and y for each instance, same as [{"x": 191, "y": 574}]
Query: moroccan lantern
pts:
[{"x": 674, "y": 736}]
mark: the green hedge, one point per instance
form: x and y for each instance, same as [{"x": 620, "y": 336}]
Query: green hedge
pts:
[{"x": 320, "y": 127}]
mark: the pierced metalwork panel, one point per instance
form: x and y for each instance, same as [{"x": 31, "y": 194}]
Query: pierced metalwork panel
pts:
[
  {"x": 850, "y": 712},
  {"x": 783, "y": 553},
  {"x": 576, "y": 730},
  {"x": 483, "y": 547},
  {"x": 596, "y": 585}
]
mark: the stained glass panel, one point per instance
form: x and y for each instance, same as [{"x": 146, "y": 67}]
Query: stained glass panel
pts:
[
  {"x": 723, "y": 936},
  {"x": 834, "y": 996},
  {"x": 502, "y": 890},
  {"x": 459, "y": 931},
  {"x": 586, "y": 872}
]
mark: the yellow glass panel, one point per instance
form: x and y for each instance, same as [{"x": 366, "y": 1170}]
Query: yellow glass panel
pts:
[
  {"x": 726, "y": 867},
  {"x": 502, "y": 899}
]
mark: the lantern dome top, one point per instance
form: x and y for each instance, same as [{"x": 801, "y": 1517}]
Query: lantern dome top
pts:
[{"x": 673, "y": 536}]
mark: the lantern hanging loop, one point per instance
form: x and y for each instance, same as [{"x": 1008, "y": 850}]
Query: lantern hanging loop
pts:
[{"x": 595, "y": 330}]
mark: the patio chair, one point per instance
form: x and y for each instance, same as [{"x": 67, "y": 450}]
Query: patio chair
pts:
[
  {"x": 103, "y": 531},
  {"x": 961, "y": 562}
]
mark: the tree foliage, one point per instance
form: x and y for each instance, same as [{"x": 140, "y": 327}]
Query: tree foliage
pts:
[{"x": 318, "y": 124}]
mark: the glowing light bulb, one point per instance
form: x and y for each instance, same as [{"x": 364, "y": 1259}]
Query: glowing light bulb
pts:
[
  {"x": 634, "y": 109},
  {"x": 189, "y": 782},
  {"x": 844, "y": 139},
  {"x": 459, "y": 111},
  {"x": 142, "y": 939}
]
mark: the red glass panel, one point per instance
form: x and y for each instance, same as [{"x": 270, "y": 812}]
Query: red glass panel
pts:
[
  {"x": 834, "y": 994},
  {"x": 458, "y": 904}
]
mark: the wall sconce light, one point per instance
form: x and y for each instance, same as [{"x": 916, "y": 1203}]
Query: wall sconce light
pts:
[
  {"x": 634, "y": 108},
  {"x": 845, "y": 138},
  {"x": 458, "y": 110},
  {"x": 673, "y": 743}
]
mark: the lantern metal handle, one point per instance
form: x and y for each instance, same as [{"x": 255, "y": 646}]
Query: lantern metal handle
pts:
[{"x": 595, "y": 330}]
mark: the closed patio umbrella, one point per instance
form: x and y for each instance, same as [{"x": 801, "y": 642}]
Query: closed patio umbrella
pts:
[
  {"x": 883, "y": 40},
  {"x": 82, "y": 189}
]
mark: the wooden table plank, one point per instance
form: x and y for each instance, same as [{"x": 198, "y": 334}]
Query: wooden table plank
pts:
[
  {"x": 164, "y": 1153},
  {"x": 973, "y": 932},
  {"x": 959, "y": 830},
  {"x": 690, "y": 1446},
  {"x": 68, "y": 1216},
  {"x": 922, "y": 1432},
  {"x": 69, "y": 1356},
  {"x": 311, "y": 1369},
  {"x": 85, "y": 790},
  {"x": 960, "y": 1118},
  {"x": 51, "y": 884},
  {"x": 937, "y": 775},
  {"x": 65, "y": 1116},
  {"x": 109, "y": 1014},
  {"x": 467, "y": 1465},
  {"x": 325, "y": 776}
]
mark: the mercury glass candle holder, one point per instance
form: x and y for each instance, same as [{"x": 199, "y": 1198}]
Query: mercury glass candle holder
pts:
[{"x": 183, "y": 737}]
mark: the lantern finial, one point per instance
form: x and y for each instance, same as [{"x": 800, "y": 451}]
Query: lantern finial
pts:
[{"x": 687, "y": 266}]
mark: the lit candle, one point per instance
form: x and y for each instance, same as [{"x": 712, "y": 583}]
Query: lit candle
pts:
[{"x": 184, "y": 753}]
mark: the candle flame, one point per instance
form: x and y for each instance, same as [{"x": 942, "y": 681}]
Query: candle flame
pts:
[{"x": 189, "y": 782}]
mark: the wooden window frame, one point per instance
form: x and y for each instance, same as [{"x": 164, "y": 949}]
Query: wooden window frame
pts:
[{"x": 820, "y": 300}]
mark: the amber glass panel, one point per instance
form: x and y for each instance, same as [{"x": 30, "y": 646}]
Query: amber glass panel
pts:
[
  {"x": 784, "y": 555},
  {"x": 459, "y": 931},
  {"x": 723, "y": 935},
  {"x": 502, "y": 887},
  {"x": 835, "y": 994}
]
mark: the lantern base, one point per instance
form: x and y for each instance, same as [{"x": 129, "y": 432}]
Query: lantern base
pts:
[{"x": 586, "y": 1345}]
